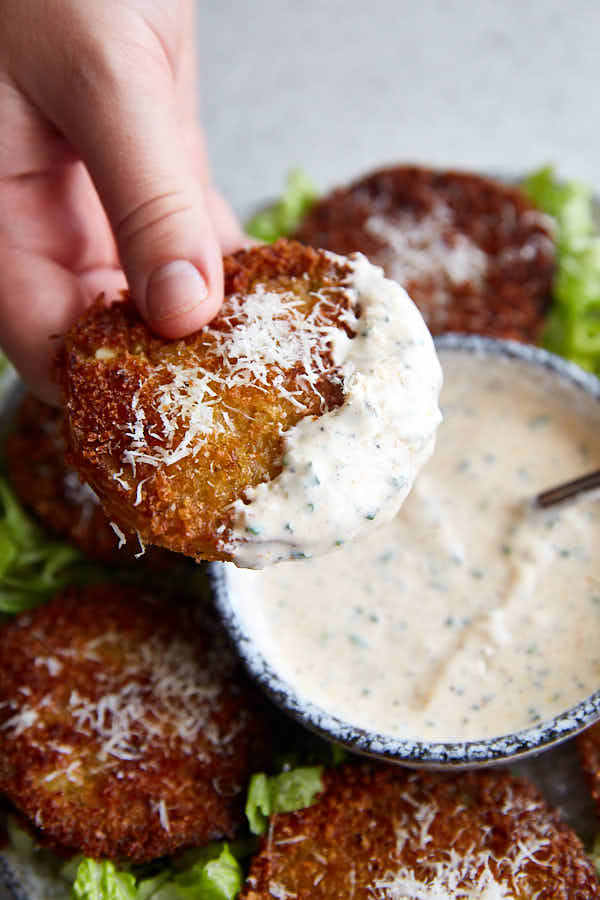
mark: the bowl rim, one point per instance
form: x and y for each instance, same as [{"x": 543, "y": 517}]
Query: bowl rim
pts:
[{"x": 423, "y": 753}]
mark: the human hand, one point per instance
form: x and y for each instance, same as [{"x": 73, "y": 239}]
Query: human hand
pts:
[{"x": 103, "y": 175}]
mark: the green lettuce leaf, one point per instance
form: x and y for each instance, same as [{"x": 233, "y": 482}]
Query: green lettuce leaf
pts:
[
  {"x": 150, "y": 888},
  {"x": 573, "y": 327},
  {"x": 32, "y": 567},
  {"x": 214, "y": 875},
  {"x": 218, "y": 878},
  {"x": 285, "y": 792},
  {"x": 102, "y": 881},
  {"x": 281, "y": 218}
]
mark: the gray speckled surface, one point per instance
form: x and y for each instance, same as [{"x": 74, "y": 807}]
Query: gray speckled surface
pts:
[{"x": 341, "y": 86}]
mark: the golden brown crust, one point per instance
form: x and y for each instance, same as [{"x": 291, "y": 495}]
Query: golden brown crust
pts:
[
  {"x": 111, "y": 362},
  {"x": 374, "y": 825},
  {"x": 126, "y": 728},
  {"x": 434, "y": 210}
]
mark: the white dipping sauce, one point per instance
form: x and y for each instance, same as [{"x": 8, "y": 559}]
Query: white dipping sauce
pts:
[
  {"x": 471, "y": 615},
  {"x": 325, "y": 494}
]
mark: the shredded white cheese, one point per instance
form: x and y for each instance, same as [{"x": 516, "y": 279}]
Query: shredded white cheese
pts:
[
  {"x": 21, "y": 721},
  {"x": 447, "y": 874},
  {"x": 53, "y": 664},
  {"x": 162, "y": 692},
  {"x": 163, "y": 816},
  {"x": 280, "y": 892},
  {"x": 428, "y": 248},
  {"x": 268, "y": 338},
  {"x": 119, "y": 534}
]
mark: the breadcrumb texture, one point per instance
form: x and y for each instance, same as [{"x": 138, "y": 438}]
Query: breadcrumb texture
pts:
[
  {"x": 170, "y": 433},
  {"x": 386, "y": 832},
  {"x": 45, "y": 483},
  {"x": 473, "y": 253},
  {"x": 127, "y": 730}
]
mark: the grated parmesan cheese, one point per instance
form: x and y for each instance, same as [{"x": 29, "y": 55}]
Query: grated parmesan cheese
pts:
[
  {"x": 21, "y": 721},
  {"x": 162, "y": 692},
  {"x": 53, "y": 665},
  {"x": 163, "y": 815},
  {"x": 419, "y": 248},
  {"x": 449, "y": 874},
  {"x": 280, "y": 892},
  {"x": 119, "y": 534},
  {"x": 270, "y": 336}
]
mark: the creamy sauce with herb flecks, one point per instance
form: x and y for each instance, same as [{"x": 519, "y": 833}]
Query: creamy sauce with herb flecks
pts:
[
  {"x": 471, "y": 615},
  {"x": 349, "y": 470}
]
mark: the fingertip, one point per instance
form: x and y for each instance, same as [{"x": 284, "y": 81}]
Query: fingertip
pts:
[
  {"x": 178, "y": 299},
  {"x": 184, "y": 324}
]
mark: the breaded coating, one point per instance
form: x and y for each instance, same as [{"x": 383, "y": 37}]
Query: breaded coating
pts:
[
  {"x": 170, "y": 433},
  {"x": 588, "y": 746},
  {"x": 387, "y": 832},
  {"x": 127, "y": 730},
  {"x": 44, "y": 482},
  {"x": 473, "y": 253}
]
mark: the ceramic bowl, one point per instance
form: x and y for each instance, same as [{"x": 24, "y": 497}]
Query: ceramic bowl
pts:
[{"x": 432, "y": 754}]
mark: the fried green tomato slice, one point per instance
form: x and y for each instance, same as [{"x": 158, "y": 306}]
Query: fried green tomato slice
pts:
[
  {"x": 473, "y": 253},
  {"x": 386, "y": 832},
  {"x": 171, "y": 433},
  {"x": 126, "y": 728}
]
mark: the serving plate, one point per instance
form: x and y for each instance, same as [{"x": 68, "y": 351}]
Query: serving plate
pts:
[{"x": 555, "y": 771}]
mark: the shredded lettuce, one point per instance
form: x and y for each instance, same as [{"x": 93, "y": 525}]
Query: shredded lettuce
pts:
[
  {"x": 215, "y": 875},
  {"x": 282, "y": 218},
  {"x": 102, "y": 881},
  {"x": 573, "y": 328},
  {"x": 32, "y": 567},
  {"x": 218, "y": 878},
  {"x": 211, "y": 872},
  {"x": 285, "y": 792},
  {"x": 241, "y": 848}
]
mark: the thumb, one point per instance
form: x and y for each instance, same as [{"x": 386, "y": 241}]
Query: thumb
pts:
[{"x": 127, "y": 129}]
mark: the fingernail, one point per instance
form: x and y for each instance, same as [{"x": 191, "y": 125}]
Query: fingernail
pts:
[{"x": 174, "y": 289}]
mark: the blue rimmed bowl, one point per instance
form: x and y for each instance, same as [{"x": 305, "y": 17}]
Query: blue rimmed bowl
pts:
[{"x": 421, "y": 752}]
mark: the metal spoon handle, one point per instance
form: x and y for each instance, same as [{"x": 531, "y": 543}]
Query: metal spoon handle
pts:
[{"x": 568, "y": 490}]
